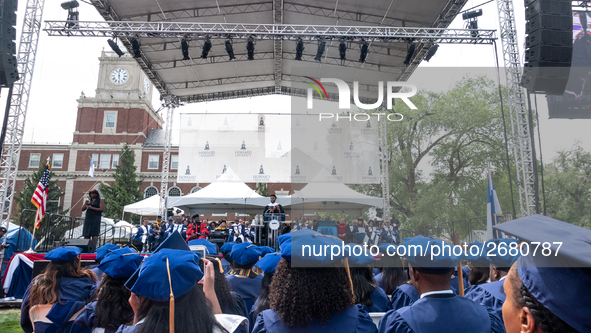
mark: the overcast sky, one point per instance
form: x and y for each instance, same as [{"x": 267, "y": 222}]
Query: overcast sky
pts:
[{"x": 68, "y": 65}]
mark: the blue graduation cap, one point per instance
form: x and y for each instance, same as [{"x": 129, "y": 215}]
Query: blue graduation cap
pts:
[
  {"x": 211, "y": 248},
  {"x": 245, "y": 253},
  {"x": 174, "y": 241},
  {"x": 184, "y": 275},
  {"x": 266, "y": 250},
  {"x": 227, "y": 247},
  {"x": 558, "y": 280},
  {"x": 170, "y": 218},
  {"x": 121, "y": 263},
  {"x": 66, "y": 253},
  {"x": 477, "y": 254},
  {"x": 359, "y": 256},
  {"x": 384, "y": 247},
  {"x": 309, "y": 248},
  {"x": 501, "y": 254},
  {"x": 429, "y": 252},
  {"x": 269, "y": 262},
  {"x": 102, "y": 251}
]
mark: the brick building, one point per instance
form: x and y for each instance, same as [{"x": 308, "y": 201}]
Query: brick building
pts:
[{"x": 120, "y": 112}]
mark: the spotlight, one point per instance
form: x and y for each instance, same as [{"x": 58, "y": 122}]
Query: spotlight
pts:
[
  {"x": 73, "y": 14},
  {"x": 115, "y": 47},
  {"x": 250, "y": 47},
  {"x": 343, "y": 51},
  {"x": 299, "y": 49},
  {"x": 321, "y": 47},
  {"x": 471, "y": 17},
  {"x": 206, "y": 48},
  {"x": 409, "y": 53},
  {"x": 431, "y": 52},
  {"x": 473, "y": 25},
  {"x": 185, "y": 49},
  {"x": 135, "y": 45},
  {"x": 363, "y": 52},
  {"x": 472, "y": 14},
  {"x": 230, "y": 49}
]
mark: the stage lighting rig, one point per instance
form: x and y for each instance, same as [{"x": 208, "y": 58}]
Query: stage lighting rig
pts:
[
  {"x": 135, "y": 45},
  {"x": 342, "y": 51},
  {"x": 73, "y": 14},
  {"x": 321, "y": 48},
  {"x": 409, "y": 52},
  {"x": 250, "y": 47},
  {"x": 472, "y": 23},
  {"x": 115, "y": 47},
  {"x": 185, "y": 49},
  {"x": 363, "y": 52},
  {"x": 206, "y": 48},
  {"x": 230, "y": 49},
  {"x": 299, "y": 49},
  {"x": 432, "y": 50}
]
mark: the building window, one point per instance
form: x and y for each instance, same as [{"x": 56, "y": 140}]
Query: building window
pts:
[
  {"x": 95, "y": 160},
  {"x": 174, "y": 192},
  {"x": 195, "y": 189},
  {"x": 34, "y": 160},
  {"x": 58, "y": 161},
  {"x": 115, "y": 161},
  {"x": 153, "y": 161},
  {"x": 105, "y": 161},
  {"x": 174, "y": 162},
  {"x": 110, "y": 120},
  {"x": 150, "y": 191}
]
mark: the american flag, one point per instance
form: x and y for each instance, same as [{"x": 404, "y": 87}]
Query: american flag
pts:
[{"x": 39, "y": 198}]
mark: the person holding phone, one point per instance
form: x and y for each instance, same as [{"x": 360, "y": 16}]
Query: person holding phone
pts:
[{"x": 93, "y": 207}]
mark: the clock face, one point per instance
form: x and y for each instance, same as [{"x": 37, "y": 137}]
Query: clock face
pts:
[
  {"x": 146, "y": 84},
  {"x": 119, "y": 76}
]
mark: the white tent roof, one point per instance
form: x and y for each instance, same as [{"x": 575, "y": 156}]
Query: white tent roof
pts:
[
  {"x": 148, "y": 206},
  {"x": 227, "y": 194}
]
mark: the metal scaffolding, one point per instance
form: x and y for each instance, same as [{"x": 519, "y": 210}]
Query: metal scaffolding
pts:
[
  {"x": 17, "y": 111},
  {"x": 171, "y": 104}
]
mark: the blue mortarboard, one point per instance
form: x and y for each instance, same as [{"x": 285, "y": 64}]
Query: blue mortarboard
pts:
[
  {"x": 211, "y": 248},
  {"x": 477, "y": 253},
  {"x": 174, "y": 241},
  {"x": 102, "y": 251},
  {"x": 152, "y": 277},
  {"x": 359, "y": 256},
  {"x": 66, "y": 253},
  {"x": 501, "y": 254},
  {"x": 227, "y": 247},
  {"x": 121, "y": 263},
  {"x": 245, "y": 253},
  {"x": 384, "y": 247},
  {"x": 269, "y": 262},
  {"x": 307, "y": 247},
  {"x": 431, "y": 253},
  {"x": 159, "y": 216},
  {"x": 266, "y": 250},
  {"x": 560, "y": 281},
  {"x": 170, "y": 218}
]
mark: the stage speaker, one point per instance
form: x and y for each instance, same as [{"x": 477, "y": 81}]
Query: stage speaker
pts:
[
  {"x": 8, "y": 62},
  {"x": 549, "y": 46},
  {"x": 86, "y": 245},
  {"x": 40, "y": 265}
]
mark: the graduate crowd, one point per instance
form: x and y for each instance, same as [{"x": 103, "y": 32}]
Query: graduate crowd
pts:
[{"x": 249, "y": 288}]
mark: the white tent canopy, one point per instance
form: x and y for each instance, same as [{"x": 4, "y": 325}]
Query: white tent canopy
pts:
[
  {"x": 226, "y": 194},
  {"x": 146, "y": 207}
]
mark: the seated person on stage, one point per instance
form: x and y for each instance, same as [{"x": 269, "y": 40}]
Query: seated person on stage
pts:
[
  {"x": 143, "y": 235},
  {"x": 364, "y": 286},
  {"x": 63, "y": 286},
  {"x": 177, "y": 226},
  {"x": 238, "y": 231},
  {"x": 204, "y": 231},
  {"x": 548, "y": 292},
  {"x": 438, "y": 309},
  {"x": 308, "y": 290},
  {"x": 157, "y": 231},
  {"x": 242, "y": 278},
  {"x": 273, "y": 207},
  {"x": 389, "y": 234},
  {"x": 374, "y": 233},
  {"x": 362, "y": 234},
  {"x": 110, "y": 307},
  {"x": 342, "y": 230},
  {"x": 350, "y": 231},
  {"x": 230, "y": 301},
  {"x": 193, "y": 228}
]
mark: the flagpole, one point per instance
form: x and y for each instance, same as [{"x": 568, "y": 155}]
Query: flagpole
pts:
[{"x": 30, "y": 250}]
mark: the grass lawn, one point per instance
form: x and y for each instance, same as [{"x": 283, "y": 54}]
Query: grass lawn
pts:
[{"x": 10, "y": 321}]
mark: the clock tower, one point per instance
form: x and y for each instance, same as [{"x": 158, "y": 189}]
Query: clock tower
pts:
[{"x": 121, "y": 110}]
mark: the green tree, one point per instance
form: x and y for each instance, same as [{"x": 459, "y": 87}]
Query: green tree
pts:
[
  {"x": 262, "y": 189},
  {"x": 23, "y": 198},
  {"x": 125, "y": 189},
  {"x": 568, "y": 186}
]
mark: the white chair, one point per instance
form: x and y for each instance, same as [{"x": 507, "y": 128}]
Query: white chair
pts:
[{"x": 376, "y": 316}]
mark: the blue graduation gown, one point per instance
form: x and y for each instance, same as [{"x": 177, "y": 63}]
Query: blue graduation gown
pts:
[
  {"x": 381, "y": 303},
  {"x": 226, "y": 265},
  {"x": 247, "y": 288},
  {"x": 86, "y": 320},
  {"x": 127, "y": 329},
  {"x": 490, "y": 295},
  {"x": 442, "y": 314},
  {"x": 404, "y": 295},
  {"x": 73, "y": 294},
  {"x": 378, "y": 279},
  {"x": 354, "y": 319}
]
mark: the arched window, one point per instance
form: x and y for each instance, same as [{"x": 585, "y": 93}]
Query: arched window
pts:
[
  {"x": 150, "y": 191},
  {"x": 195, "y": 189},
  {"x": 174, "y": 192}
]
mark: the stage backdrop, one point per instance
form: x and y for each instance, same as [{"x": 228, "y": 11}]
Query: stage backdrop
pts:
[{"x": 277, "y": 148}]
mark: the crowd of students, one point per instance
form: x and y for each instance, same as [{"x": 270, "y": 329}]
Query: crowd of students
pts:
[{"x": 250, "y": 288}]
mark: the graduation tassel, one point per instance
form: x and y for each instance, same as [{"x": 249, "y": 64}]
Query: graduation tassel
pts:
[
  {"x": 171, "y": 302},
  {"x": 350, "y": 280}
]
